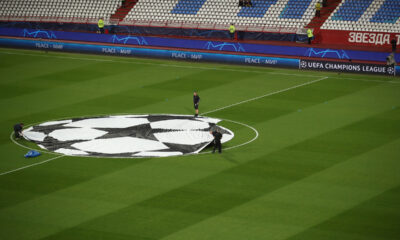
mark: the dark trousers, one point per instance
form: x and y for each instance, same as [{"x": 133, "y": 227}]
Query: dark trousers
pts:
[
  {"x": 309, "y": 40},
  {"x": 101, "y": 30},
  {"x": 318, "y": 13},
  {"x": 17, "y": 134},
  {"x": 217, "y": 144},
  {"x": 232, "y": 35}
]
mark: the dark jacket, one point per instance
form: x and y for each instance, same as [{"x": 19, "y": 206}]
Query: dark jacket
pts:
[
  {"x": 217, "y": 136},
  {"x": 196, "y": 99},
  {"x": 18, "y": 127}
]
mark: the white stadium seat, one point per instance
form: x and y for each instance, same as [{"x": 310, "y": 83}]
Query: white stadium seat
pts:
[
  {"x": 60, "y": 8},
  {"x": 373, "y": 15},
  {"x": 366, "y": 15}
]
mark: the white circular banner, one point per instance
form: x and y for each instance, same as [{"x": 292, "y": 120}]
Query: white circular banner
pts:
[{"x": 133, "y": 136}]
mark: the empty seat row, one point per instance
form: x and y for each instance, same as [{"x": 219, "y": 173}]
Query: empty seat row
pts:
[{"x": 366, "y": 15}]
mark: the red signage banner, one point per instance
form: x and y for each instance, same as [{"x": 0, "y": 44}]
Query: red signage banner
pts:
[{"x": 355, "y": 38}]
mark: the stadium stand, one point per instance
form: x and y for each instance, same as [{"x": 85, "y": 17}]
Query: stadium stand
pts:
[
  {"x": 366, "y": 15},
  {"x": 67, "y": 9},
  {"x": 123, "y": 10},
  {"x": 188, "y": 7},
  {"x": 295, "y": 9},
  {"x": 274, "y": 13},
  {"x": 284, "y": 16},
  {"x": 326, "y": 11},
  {"x": 351, "y": 10},
  {"x": 388, "y": 13}
]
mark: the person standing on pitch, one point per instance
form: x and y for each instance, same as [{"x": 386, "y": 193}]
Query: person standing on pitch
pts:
[
  {"x": 196, "y": 100},
  {"x": 217, "y": 140},
  {"x": 18, "y": 130}
]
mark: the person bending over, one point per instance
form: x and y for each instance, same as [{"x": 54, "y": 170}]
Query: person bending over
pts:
[
  {"x": 217, "y": 140},
  {"x": 196, "y": 101},
  {"x": 18, "y": 130},
  {"x": 390, "y": 60}
]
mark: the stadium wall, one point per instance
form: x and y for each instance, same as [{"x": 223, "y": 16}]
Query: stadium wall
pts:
[
  {"x": 199, "y": 56},
  {"x": 222, "y": 34},
  {"x": 203, "y": 45}
]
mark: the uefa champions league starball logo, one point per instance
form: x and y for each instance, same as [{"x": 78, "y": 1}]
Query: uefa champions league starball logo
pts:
[
  {"x": 390, "y": 70},
  {"x": 127, "y": 135},
  {"x": 303, "y": 64}
]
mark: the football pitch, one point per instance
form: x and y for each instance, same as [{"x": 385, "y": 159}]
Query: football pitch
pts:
[{"x": 316, "y": 155}]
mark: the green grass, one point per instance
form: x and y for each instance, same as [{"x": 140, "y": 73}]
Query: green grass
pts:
[{"x": 325, "y": 165}]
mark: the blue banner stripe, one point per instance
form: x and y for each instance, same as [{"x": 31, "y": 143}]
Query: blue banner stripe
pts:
[
  {"x": 186, "y": 55},
  {"x": 145, "y": 52}
]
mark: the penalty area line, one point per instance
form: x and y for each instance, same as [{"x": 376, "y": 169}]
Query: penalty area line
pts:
[
  {"x": 31, "y": 165},
  {"x": 256, "y": 98},
  {"x": 34, "y": 164},
  {"x": 266, "y": 95}
]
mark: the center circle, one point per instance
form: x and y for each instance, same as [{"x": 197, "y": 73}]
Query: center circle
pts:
[{"x": 153, "y": 135}]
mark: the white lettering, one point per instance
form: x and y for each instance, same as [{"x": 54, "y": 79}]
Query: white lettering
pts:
[
  {"x": 374, "y": 69},
  {"x": 271, "y": 62},
  {"x": 386, "y": 39},
  {"x": 316, "y": 65},
  {"x": 340, "y": 66},
  {"x": 58, "y": 46},
  {"x": 359, "y": 37},
  {"x": 42, "y": 45},
  {"x": 125, "y": 51},
  {"x": 252, "y": 60},
  {"x": 108, "y": 50},
  {"x": 178, "y": 55},
  {"x": 379, "y": 39},
  {"x": 352, "y": 37},
  {"x": 196, "y": 56},
  {"x": 365, "y": 37},
  {"x": 372, "y": 38}
]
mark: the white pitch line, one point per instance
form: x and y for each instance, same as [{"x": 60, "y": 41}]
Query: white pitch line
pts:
[
  {"x": 265, "y": 95},
  {"x": 29, "y": 148},
  {"x": 242, "y": 144},
  {"x": 159, "y": 64},
  {"x": 194, "y": 67},
  {"x": 31, "y": 165},
  {"x": 218, "y": 109},
  {"x": 34, "y": 164},
  {"x": 166, "y": 65}
]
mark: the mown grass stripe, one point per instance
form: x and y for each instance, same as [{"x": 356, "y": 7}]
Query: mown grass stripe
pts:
[{"x": 193, "y": 203}]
